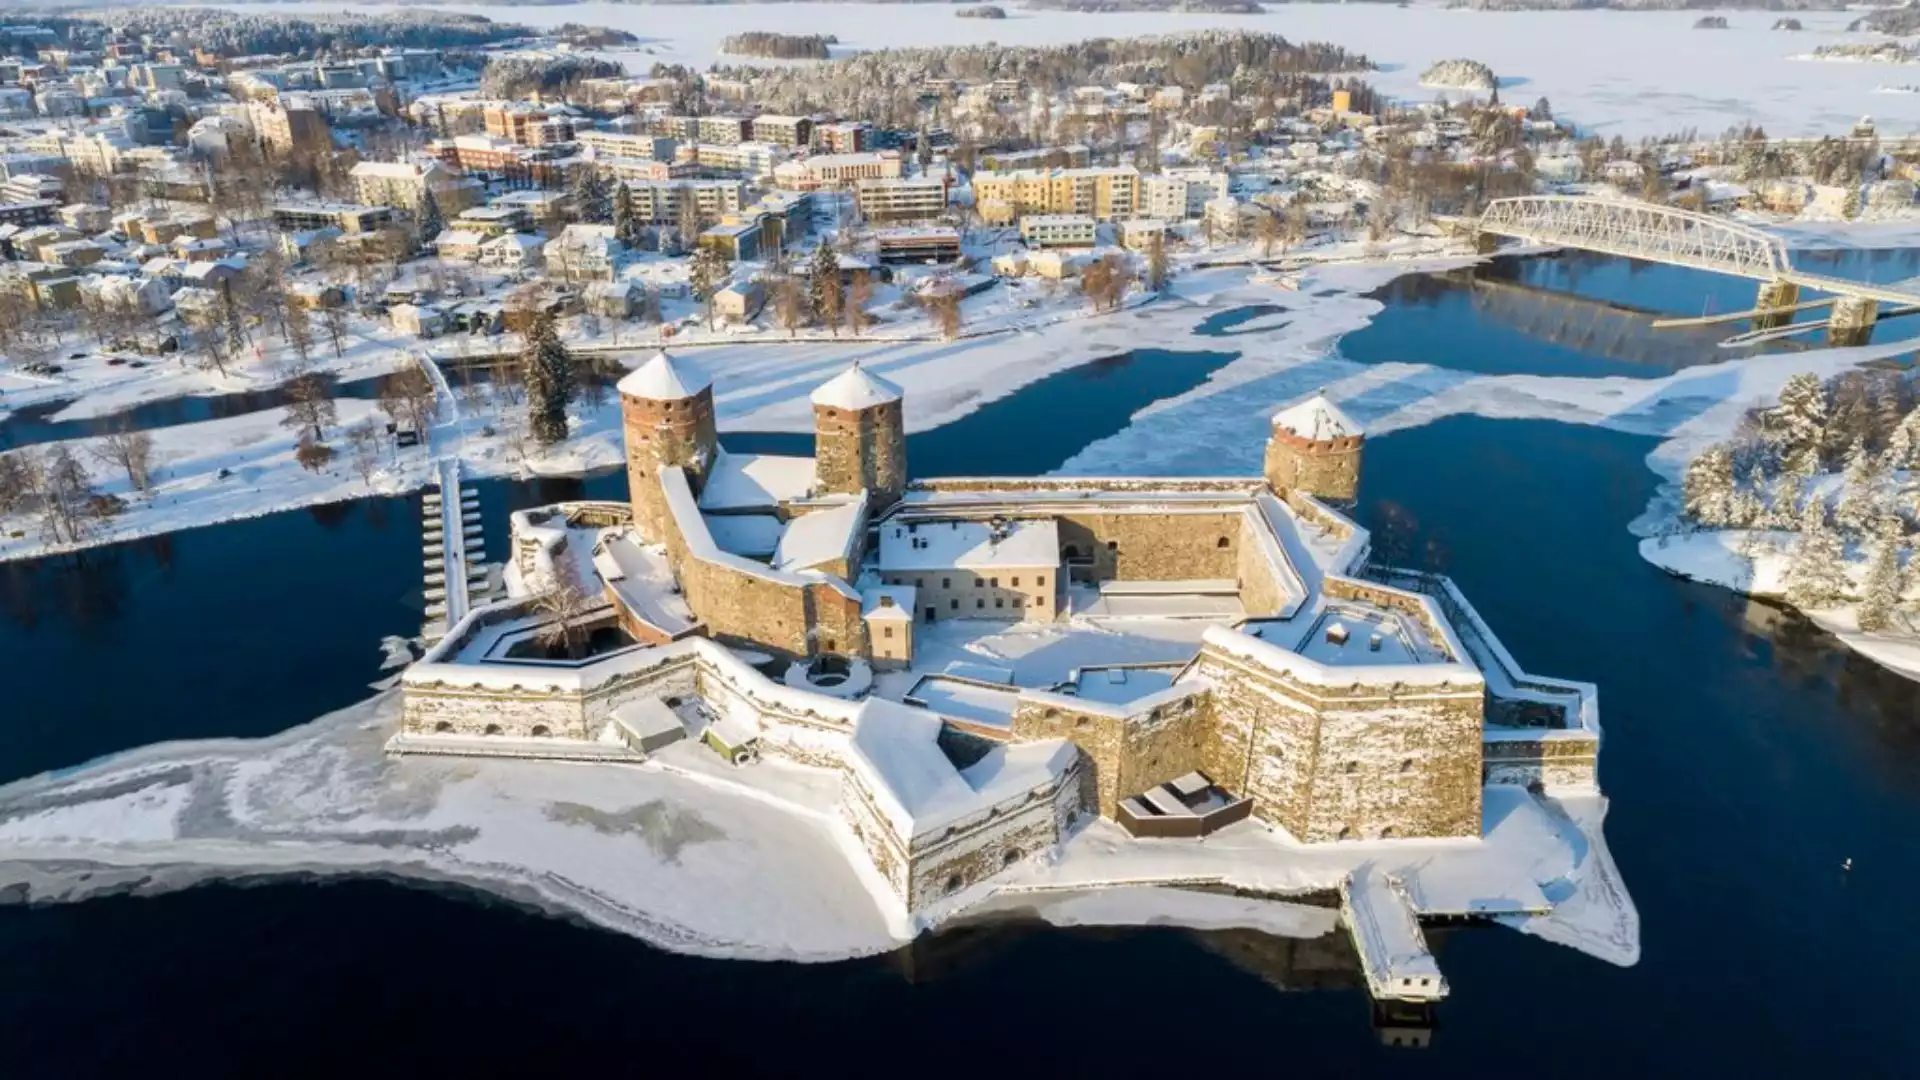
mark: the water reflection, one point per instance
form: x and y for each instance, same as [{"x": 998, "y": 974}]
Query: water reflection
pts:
[{"x": 33, "y": 424}]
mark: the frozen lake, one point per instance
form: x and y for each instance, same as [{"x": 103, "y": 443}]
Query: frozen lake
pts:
[{"x": 1613, "y": 72}]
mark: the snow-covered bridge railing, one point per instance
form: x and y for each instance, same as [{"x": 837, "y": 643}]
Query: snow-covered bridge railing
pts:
[{"x": 1639, "y": 231}]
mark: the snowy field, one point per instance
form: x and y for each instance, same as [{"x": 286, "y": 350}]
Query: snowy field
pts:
[
  {"x": 692, "y": 855},
  {"x": 1628, "y": 73}
]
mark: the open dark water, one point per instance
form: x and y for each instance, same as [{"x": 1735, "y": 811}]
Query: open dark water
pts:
[{"x": 1746, "y": 756}]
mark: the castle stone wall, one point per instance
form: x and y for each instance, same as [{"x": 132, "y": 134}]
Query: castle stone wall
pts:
[
  {"x": 1327, "y": 469},
  {"x": 858, "y": 450},
  {"x": 661, "y": 433},
  {"x": 1150, "y": 546}
]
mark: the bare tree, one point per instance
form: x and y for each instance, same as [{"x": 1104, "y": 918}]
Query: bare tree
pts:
[
  {"x": 408, "y": 398},
  {"x": 311, "y": 454},
  {"x": 19, "y": 480},
  {"x": 789, "y": 304},
  {"x": 943, "y": 307},
  {"x": 129, "y": 450},
  {"x": 334, "y": 318},
  {"x": 859, "y": 295},
  {"x": 297, "y": 328},
  {"x": 67, "y": 498},
  {"x": 363, "y": 450},
  {"x": 565, "y": 603},
  {"x": 310, "y": 407}
]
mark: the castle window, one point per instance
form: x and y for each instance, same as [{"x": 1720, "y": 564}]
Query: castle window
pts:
[
  {"x": 1352, "y": 767},
  {"x": 1016, "y": 583},
  {"x": 1012, "y": 856},
  {"x": 1222, "y": 542},
  {"x": 953, "y": 884},
  {"x": 953, "y": 605},
  {"x": 1406, "y": 765},
  {"x": 491, "y": 729},
  {"x": 946, "y": 583},
  {"x": 999, "y": 603},
  {"x": 995, "y": 582},
  {"x": 1040, "y": 581},
  {"x": 541, "y": 730},
  {"x": 1113, "y": 545},
  {"x": 886, "y": 631},
  {"x": 979, "y": 604},
  {"x": 443, "y": 726}
]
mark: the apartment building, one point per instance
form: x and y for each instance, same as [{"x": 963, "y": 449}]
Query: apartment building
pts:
[
  {"x": 659, "y": 202},
  {"x": 1104, "y": 194},
  {"x": 1058, "y": 230},
  {"x": 842, "y": 138},
  {"x": 405, "y": 184},
  {"x": 900, "y": 200},
  {"x": 1181, "y": 195},
  {"x": 620, "y": 144},
  {"x": 725, "y": 130},
  {"x": 789, "y": 131}
]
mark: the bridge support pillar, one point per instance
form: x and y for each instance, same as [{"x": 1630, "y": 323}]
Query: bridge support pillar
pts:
[
  {"x": 1770, "y": 306},
  {"x": 1484, "y": 243},
  {"x": 1853, "y": 319}
]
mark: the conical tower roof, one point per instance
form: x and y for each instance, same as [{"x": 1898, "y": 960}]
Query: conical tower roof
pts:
[
  {"x": 855, "y": 388},
  {"x": 1318, "y": 419},
  {"x": 663, "y": 379}
]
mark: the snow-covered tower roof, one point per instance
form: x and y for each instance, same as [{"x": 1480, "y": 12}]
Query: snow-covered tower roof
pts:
[
  {"x": 855, "y": 389},
  {"x": 663, "y": 379},
  {"x": 1318, "y": 419}
]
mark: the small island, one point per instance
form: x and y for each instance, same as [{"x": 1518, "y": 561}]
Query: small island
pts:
[
  {"x": 1711, "y": 22},
  {"x": 1459, "y": 75},
  {"x": 771, "y": 46},
  {"x": 981, "y": 11},
  {"x": 1788, "y": 24}
]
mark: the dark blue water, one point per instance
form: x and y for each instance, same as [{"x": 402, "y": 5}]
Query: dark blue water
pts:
[
  {"x": 1576, "y": 313},
  {"x": 1746, "y": 756}
]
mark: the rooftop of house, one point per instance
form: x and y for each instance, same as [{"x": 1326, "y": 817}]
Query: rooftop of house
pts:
[{"x": 969, "y": 545}]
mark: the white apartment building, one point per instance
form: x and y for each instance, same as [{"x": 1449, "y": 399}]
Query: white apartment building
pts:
[
  {"x": 1058, "y": 230},
  {"x": 900, "y": 200},
  {"x": 659, "y": 202}
]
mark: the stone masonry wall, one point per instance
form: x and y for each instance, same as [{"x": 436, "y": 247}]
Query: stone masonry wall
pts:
[
  {"x": 1119, "y": 756},
  {"x": 1330, "y": 763},
  {"x": 861, "y": 449},
  {"x": 1328, "y": 470},
  {"x": 1261, "y": 590},
  {"x": 665, "y": 433},
  {"x": 1156, "y": 546}
]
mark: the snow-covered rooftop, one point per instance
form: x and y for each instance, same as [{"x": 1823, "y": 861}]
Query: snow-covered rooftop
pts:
[
  {"x": 821, "y": 537},
  {"x": 749, "y": 481},
  {"x": 663, "y": 379},
  {"x": 896, "y": 750},
  {"x": 855, "y": 388},
  {"x": 943, "y": 545},
  {"x": 1318, "y": 418}
]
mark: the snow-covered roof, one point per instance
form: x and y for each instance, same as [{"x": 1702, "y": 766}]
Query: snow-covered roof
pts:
[
  {"x": 751, "y": 481},
  {"x": 943, "y": 545},
  {"x": 855, "y": 388},
  {"x": 896, "y": 752},
  {"x": 887, "y": 602},
  {"x": 1317, "y": 418},
  {"x": 663, "y": 379},
  {"x": 821, "y": 536}
]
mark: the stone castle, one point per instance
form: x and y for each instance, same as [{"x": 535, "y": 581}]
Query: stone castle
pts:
[{"x": 810, "y": 609}]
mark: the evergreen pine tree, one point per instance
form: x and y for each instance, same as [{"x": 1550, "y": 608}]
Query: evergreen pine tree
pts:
[
  {"x": 1708, "y": 488},
  {"x": 1859, "y": 505},
  {"x": 707, "y": 276},
  {"x": 1885, "y": 583},
  {"x": 430, "y": 221},
  {"x": 591, "y": 203},
  {"x": 547, "y": 369},
  {"x": 1817, "y": 577},
  {"x": 1797, "y": 426},
  {"x": 626, "y": 227},
  {"x": 824, "y": 290}
]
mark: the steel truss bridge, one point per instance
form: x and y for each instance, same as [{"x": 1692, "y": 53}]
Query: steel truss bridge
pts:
[{"x": 1637, "y": 230}]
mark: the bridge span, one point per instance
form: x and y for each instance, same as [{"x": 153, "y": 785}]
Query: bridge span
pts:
[{"x": 1666, "y": 234}]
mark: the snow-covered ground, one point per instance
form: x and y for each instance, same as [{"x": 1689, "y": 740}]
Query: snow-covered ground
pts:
[
  {"x": 1630, "y": 73},
  {"x": 694, "y": 856}
]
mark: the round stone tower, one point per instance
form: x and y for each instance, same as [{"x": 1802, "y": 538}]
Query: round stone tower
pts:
[
  {"x": 666, "y": 412},
  {"x": 859, "y": 438},
  {"x": 1315, "y": 448}
]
